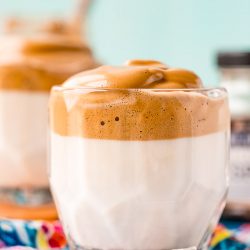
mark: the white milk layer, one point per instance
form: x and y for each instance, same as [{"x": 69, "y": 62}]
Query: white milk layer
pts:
[
  {"x": 162, "y": 194},
  {"x": 23, "y": 138}
]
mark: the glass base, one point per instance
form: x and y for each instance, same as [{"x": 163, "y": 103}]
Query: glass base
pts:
[
  {"x": 84, "y": 248},
  {"x": 35, "y": 203},
  {"x": 203, "y": 244},
  {"x": 74, "y": 246}
]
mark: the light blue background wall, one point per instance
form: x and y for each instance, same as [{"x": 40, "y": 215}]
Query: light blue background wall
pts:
[{"x": 184, "y": 33}]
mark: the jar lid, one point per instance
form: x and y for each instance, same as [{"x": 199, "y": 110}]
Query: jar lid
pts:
[{"x": 233, "y": 59}]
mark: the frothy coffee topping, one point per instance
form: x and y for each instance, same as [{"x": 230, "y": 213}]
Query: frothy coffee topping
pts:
[
  {"x": 136, "y": 74},
  {"x": 143, "y": 100},
  {"x": 38, "y": 63}
]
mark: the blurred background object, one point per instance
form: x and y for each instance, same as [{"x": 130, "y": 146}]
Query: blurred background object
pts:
[
  {"x": 39, "y": 49},
  {"x": 234, "y": 69}
]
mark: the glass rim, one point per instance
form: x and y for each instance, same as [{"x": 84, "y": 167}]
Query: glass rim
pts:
[{"x": 61, "y": 88}]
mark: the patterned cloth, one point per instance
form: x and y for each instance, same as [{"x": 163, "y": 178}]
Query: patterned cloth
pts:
[
  {"x": 35, "y": 234},
  {"x": 237, "y": 239},
  {"x": 27, "y": 235}
]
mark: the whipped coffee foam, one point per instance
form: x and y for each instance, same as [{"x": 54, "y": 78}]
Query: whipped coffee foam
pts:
[
  {"x": 131, "y": 103},
  {"x": 23, "y": 139},
  {"x": 38, "y": 63},
  {"x": 138, "y": 194}
]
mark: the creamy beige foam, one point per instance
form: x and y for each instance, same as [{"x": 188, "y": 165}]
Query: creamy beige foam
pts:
[
  {"x": 40, "y": 62},
  {"x": 136, "y": 74},
  {"x": 131, "y": 103}
]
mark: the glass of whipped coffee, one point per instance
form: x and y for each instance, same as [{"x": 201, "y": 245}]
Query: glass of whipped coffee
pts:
[{"x": 139, "y": 157}]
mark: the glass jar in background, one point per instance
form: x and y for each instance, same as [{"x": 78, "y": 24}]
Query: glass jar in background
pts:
[
  {"x": 36, "y": 53},
  {"x": 234, "y": 70}
]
